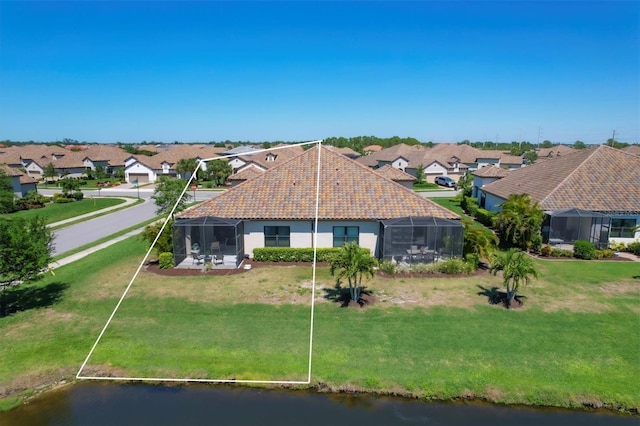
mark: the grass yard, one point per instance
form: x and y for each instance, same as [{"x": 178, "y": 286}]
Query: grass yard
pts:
[
  {"x": 53, "y": 212},
  {"x": 576, "y": 341},
  {"x": 454, "y": 206}
]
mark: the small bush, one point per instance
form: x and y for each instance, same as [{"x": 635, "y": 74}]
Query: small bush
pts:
[
  {"x": 615, "y": 246},
  {"x": 546, "y": 251},
  {"x": 388, "y": 267},
  {"x": 454, "y": 266},
  {"x": 604, "y": 254},
  {"x": 584, "y": 250},
  {"x": 423, "y": 268},
  {"x": 485, "y": 217},
  {"x": 165, "y": 260},
  {"x": 633, "y": 247},
  {"x": 561, "y": 253},
  {"x": 288, "y": 254},
  {"x": 78, "y": 195},
  {"x": 62, "y": 200},
  {"x": 472, "y": 259}
]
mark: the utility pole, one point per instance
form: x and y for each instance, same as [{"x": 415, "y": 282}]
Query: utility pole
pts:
[
  {"x": 613, "y": 138},
  {"x": 538, "y": 143}
]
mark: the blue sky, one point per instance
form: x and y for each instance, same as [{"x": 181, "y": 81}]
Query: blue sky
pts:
[{"x": 264, "y": 71}]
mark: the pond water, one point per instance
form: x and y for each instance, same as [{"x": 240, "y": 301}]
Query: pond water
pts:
[{"x": 141, "y": 404}]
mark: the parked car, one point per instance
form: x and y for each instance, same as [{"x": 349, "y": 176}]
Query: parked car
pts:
[{"x": 445, "y": 181}]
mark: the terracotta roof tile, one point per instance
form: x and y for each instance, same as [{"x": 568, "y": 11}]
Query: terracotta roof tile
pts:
[
  {"x": 491, "y": 172},
  {"x": 600, "y": 179},
  {"x": 348, "y": 190},
  {"x": 394, "y": 174}
]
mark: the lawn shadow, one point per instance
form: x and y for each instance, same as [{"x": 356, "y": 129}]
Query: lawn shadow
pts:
[
  {"x": 495, "y": 296},
  {"x": 22, "y": 298},
  {"x": 341, "y": 295}
]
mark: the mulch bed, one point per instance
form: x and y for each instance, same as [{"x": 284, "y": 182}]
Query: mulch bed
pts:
[
  {"x": 478, "y": 272},
  {"x": 183, "y": 272}
]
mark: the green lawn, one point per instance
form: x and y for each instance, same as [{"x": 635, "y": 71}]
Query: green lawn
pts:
[
  {"x": 454, "y": 206},
  {"x": 53, "y": 212},
  {"x": 574, "y": 342}
]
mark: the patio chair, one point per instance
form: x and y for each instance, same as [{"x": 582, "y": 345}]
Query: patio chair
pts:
[
  {"x": 197, "y": 257},
  {"x": 216, "y": 254}
]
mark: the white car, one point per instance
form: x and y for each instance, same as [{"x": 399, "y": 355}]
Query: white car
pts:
[{"x": 445, "y": 181}]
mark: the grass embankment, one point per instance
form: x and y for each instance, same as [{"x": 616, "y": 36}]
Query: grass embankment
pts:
[
  {"x": 54, "y": 212},
  {"x": 574, "y": 342}
]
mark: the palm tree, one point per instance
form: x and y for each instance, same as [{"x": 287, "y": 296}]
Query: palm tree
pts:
[
  {"x": 519, "y": 222},
  {"x": 478, "y": 242},
  {"x": 517, "y": 268},
  {"x": 354, "y": 264}
]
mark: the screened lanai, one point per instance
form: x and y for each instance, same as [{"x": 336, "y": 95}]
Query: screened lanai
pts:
[
  {"x": 420, "y": 239},
  {"x": 208, "y": 239},
  {"x": 567, "y": 226}
]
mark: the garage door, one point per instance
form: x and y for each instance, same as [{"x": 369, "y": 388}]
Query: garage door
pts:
[{"x": 141, "y": 177}]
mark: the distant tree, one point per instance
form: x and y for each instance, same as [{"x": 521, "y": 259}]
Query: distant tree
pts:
[
  {"x": 7, "y": 197},
  {"x": 69, "y": 185},
  {"x": 25, "y": 249},
  {"x": 579, "y": 145},
  {"x": 517, "y": 268},
  {"x": 49, "y": 172},
  {"x": 530, "y": 157},
  {"x": 465, "y": 184},
  {"x": 186, "y": 166},
  {"x": 165, "y": 240},
  {"x": 101, "y": 172},
  {"x": 218, "y": 171},
  {"x": 167, "y": 194},
  {"x": 420, "y": 174},
  {"x": 266, "y": 145},
  {"x": 353, "y": 264},
  {"x": 546, "y": 144},
  {"x": 118, "y": 173},
  {"x": 518, "y": 223}
]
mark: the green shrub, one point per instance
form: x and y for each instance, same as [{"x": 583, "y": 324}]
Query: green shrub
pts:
[
  {"x": 561, "y": 253},
  {"x": 78, "y": 195},
  {"x": 633, "y": 247},
  {"x": 546, "y": 251},
  {"x": 422, "y": 268},
  {"x": 62, "y": 200},
  {"x": 615, "y": 246},
  {"x": 472, "y": 259},
  {"x": 584, "y": 250},
  {"x": 604, "y": 254},
  {"x": 165, "y": 260},
  {"x": 388, "y": 267},
  {"x": 485, "y": 217},
  {"x": 288, "y": 254},
  {"x": 454, "y": 265}
]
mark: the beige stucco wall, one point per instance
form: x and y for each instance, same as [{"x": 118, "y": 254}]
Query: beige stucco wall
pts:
[{"x": 302, "y": 236}]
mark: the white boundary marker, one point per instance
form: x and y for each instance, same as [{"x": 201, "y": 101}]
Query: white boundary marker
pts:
[{"x": 135, "y": 275}]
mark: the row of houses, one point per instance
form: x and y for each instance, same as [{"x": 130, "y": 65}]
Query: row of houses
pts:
[{"x": 591, "y": 194}]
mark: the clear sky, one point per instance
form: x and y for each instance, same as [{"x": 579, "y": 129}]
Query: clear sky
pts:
[{"x": 112, "y": 71}]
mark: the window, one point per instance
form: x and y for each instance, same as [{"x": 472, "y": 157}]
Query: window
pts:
[
  {"x": 277, "y": 236},
  {"x": 345, "y": 234},
  {"x": 622, "y": 228}
]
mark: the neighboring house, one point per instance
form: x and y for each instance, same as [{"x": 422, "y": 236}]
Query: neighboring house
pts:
[
  {"x": 264, "y": 160},
  {"x": 21, "y": 184},
  {"x": 143, "y": 169},
  {"x": 485, "y": 176},
  {"x": 632, "y": 149},
  {"x": 553, "y": 152},
  {"x": 33, "y": 157},
  {"x": 443, "y": 159},
  {"x": 278, "y": 209},
  {"x": 591, "y": 194},
  {"x": 391, "y": 173},
  {"x": 371, "y": 148},
  {"x": 347, "y": 152}
]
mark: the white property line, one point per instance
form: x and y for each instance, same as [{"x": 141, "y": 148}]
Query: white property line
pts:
[{"x": 135, "y": 275}]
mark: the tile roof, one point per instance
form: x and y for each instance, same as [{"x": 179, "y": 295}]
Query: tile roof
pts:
[
  {"x": 372, "y": 148},
  {"x": 394, "y": 174},
  {"x": 270, "y": 159},
  {"x": 390, "y": 154},
  {"x": 600, "y": 179},
  {"x": 348, "y": 191},
  {"x": 554, "y": 151},
  {"x": 10, "y": 171},
  {"x": 246, "y": 173},
  {"x": 633, "y": 149},
  {"x": 491, "y": 172},
  {"x": 178, "y": 152}
]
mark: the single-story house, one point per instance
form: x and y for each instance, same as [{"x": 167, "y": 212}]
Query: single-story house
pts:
[
  {"x": 396, "y": 175},
  {"x": 21, "y": 183},
  {"x": 590, "y": 194},
  {"x": 485, "y": 176},
  {"x": 278, "y": 209}
]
